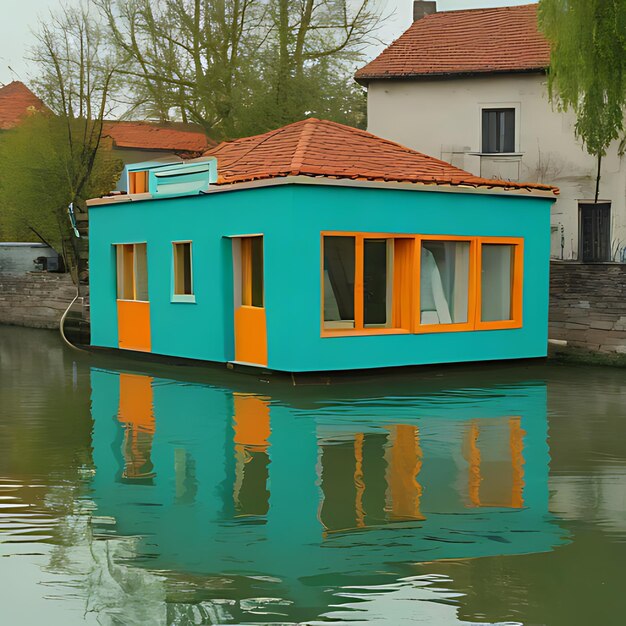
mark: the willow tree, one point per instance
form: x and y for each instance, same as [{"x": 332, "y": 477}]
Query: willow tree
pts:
[{"x": 588, "y": 67}]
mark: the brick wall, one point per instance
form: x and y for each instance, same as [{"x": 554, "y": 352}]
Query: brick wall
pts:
[
  {"x": 37, "y": 299},
  {"x": 588, "y": 306}
]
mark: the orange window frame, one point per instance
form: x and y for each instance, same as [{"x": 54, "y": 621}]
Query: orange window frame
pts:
[
  {"x": 138, "y": 182},
  {"x": 406, "y": 313},
  {"x": 517, "y": 283},
  {"x": 403, "y": 274},
  {"x": 472, "y": 287}
]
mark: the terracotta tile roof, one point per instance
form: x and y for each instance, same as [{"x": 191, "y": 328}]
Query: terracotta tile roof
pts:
[
  {"x": 472, "y": 41},
  {"x": 321, "y": 148},
  {"x": 172, "y": 137},
  {"x": 17, "y": 101}
]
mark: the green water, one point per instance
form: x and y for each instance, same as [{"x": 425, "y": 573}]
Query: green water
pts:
[{"x": 139, "y": 494}]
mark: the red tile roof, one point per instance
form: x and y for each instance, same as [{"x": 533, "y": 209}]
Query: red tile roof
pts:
[
  {"x": 17, "y": 101},
  {"x": 321, "y": 148},
  {"x": 472, "y": 41},
  {"x": 171, "y": 137}
]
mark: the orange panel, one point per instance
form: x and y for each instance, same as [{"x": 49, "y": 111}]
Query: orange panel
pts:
[
  {"x": 403, "y": 276},
  {"x": 133, "y": 325},
  {"x": 404, "y": 463},
  {"x": 250, "y": 335},
  {"x": 136, "y": 403},
  {"x": 252, "y": 421}
]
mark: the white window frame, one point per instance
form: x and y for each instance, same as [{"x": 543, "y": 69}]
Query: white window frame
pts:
[
  {"x": 182, "y": 297},
  {"x": 517, "y": 106}
]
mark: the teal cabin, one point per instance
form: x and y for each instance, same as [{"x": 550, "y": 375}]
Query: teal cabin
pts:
[{"x": 320, "y": 247}]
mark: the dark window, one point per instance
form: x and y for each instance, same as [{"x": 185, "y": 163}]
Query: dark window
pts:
[
  {"x": 377, "y": 282},
  {"x": 595, "y": 232},
  {"x": 339, "y": 282},
  {"x": 498, "y": 130}
]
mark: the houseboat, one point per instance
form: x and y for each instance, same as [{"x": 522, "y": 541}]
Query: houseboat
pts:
[{"x": 320, "y": 247}]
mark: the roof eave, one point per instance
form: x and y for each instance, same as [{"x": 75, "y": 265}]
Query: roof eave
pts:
[{"x": 365, "y": 79}]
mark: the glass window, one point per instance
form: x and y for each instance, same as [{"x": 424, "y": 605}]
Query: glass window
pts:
[
  {"x": 182, "y": 269},
  {"x": 377, "y": 282},
  {"x": 444, "y": 282},
  {"x": 132, "y": 272},
  {"x": 497, "y": 264},
  {"x": 252, "y": 271},
  {"x": 339, "y": 268},
  {"x": 498, "y": 126}
]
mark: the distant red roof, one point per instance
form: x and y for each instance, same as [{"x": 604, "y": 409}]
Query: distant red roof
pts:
[
  {"x": 320, "y": 148},
  {"x": 471, "y": 41},
  {"x": 17, "y": 101},
  {"x": 171, "y": 137}
]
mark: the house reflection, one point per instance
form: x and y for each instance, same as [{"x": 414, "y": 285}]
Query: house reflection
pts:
[
  {"x": 136, "y": 414},
  {"x": 273, "y": 486},
  {"x": 251, "y": 423}
]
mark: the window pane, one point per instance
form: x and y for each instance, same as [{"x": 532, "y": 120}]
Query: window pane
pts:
[
  {"x": 339, "y": 282},
  {"x": 497, "y": 278},
  {"x": 444, "y": 282},
  {"x": 141, "y": 272},
  {"x": 125, "y": 272},
  {"x": 257, "y": 271},
  {"x": 498, "y": 130},
  {"x": 377, "y": 265},
  {"x": 252, "y": 271},
  {"x": 182, "y": 269}
]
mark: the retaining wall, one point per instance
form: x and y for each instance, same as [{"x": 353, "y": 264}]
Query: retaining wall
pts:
[
  {"x": 36, "y": 299},
  {"x": 588, "y": 306}
]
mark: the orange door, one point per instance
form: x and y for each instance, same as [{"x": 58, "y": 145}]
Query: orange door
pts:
[{"x": 250, "y": 323}]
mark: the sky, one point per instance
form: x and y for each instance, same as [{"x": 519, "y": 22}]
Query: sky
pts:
[{"x": 21, "y": 17}]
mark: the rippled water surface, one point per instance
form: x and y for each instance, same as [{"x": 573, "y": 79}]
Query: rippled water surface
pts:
[{"x": 133, "y": 493}]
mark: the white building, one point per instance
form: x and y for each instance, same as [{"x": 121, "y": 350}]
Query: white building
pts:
[{"x": 470, "y": 87}]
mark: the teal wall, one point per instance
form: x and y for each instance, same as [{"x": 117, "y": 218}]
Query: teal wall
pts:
[{"x": 291, "y": 218}]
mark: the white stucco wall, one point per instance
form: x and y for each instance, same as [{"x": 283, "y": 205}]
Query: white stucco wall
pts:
[{"x": 442, "y": 118}]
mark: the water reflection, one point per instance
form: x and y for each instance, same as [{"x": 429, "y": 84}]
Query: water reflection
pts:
[{"x": 300, "y": 495}]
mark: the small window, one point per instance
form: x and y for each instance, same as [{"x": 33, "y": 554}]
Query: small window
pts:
[
  {"x": 252, "y": 271},
  {"x": 500, "y": 289},
  {"x": 183, "y": 285},
  {"x": 132, "y": 272},
  {"x": 444, "y": 282},
  {"x": 377, "y": 282},
  {"x": 498, "y": 129},
  {"x": 595, "y": 232},
  {"x": 138, "y": 182},
  {"x": 339, "y": 273},
  {"x": 367, "y": 282}
]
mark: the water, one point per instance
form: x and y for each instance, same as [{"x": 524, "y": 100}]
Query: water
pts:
[{"x": 139, "y": 494}]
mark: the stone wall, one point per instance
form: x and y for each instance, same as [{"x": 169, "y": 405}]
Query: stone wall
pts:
[
  {"x": 588, "y": 306},
  {"x": 36, "y": 299}
]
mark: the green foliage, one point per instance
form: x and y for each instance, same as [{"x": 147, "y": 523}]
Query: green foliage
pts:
[
  {"x": 588, "y": 65},
  {"x": 46, "y": 163}
]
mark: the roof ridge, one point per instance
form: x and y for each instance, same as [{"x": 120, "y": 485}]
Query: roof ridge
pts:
[
  {"x": 500, "y": 8},
  {"x": 297, "y": 160}
]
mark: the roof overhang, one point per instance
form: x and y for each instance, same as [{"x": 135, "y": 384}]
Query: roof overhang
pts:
[
  {"x": 475, "y": 73},
  {"x": 331, "y": 182}
]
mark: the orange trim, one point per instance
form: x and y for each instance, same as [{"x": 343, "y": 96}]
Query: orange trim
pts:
[
  {"x": 403, "y": 293},
  {"x": 251, "y": 421},
  {"x": 404, "y": 464},
  {"x": 133, "y": 325},
  {"x": 359, "y": 484},
  {"x": 475, "y": 477},
  {"x": 406, "y": 314},
  {"x": 471, "y": 296},
  {"x": 251, "y": 335},
  {"x": 517, "y": 286},
  {"x": 136, "y": 402},
  {"x": 517, "y": 461},
  {"x": 246, "y": 271},
  {"x": 358, "y": 282}
]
